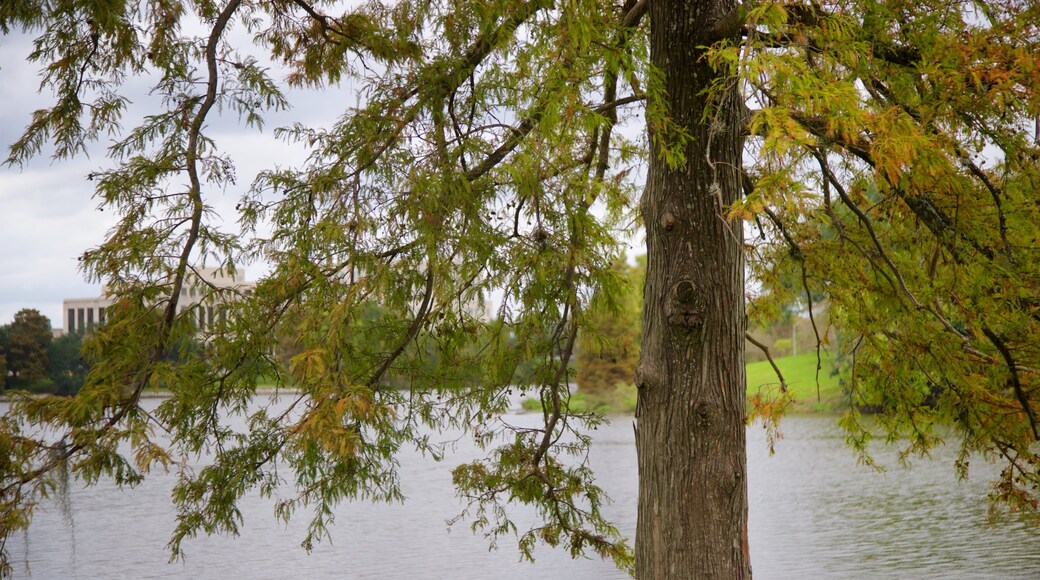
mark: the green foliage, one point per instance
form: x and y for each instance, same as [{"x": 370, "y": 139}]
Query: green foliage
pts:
[
  {"x": 893, "y": 171},
  {"x": 608, "y": 348},
  {"x": 67, "y": 369},
  {"x": 480, "y": 156},
  {"x": 811, "y": 389},
  {"x": 620, "y": 398},
  {"x": 27, "y": 340}
]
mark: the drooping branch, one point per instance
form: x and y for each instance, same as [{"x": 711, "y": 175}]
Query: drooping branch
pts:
[
  {"x": 556, "y": 412},
  {"x": 1013, "y": 379},
  {"x": 769, "y": 357},
  {"x": 634, "y": 12},
  {"x": 66, "y": 449},
  {"x": 902, "y": 289},
  {"x": 413, "y": 329},
  {"x": 921, "y": 204},
  {"x": 796, "y": 253},
  {"x": 884, "y": 94},
  {"x": 448, "y": 83},
  {"x": 868, "y": 226},
  {"x": 816, "y": 330},
  {"x": 192, "y": 161}
]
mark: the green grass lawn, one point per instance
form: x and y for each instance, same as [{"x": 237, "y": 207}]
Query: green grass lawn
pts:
[{"x": 800, "y": 374}]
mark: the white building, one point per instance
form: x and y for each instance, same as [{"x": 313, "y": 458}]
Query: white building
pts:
[{"x": 81, "y": 314}]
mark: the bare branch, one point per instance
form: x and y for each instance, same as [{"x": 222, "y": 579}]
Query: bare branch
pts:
[
  {"x": 772, "y": 363},
  {"x": 635, "y": 13}
]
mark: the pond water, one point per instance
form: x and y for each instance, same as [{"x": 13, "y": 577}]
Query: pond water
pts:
[{"x": 813, "y": 513}]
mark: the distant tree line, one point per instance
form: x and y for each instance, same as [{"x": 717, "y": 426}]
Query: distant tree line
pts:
[
  {"x": 608, "y": 348},
  {"x": 609, "y": 345},
  {"x": 31, "y": 358}
]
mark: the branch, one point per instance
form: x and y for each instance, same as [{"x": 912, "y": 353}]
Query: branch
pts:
[
  {"x": 557, "y": 412},
  {"x": 922, "y": 206},
  {"x": 452, "y": 80},
  {"x": 496, "y": 156},
  {"x": 320, "y": 18},
  {"x": 816, "y": 331},
  {"x": 730, "y": 25},
  {"x": 882, "y": 93},
  {"x": 524, "y": 128},
  {"x": 865, "y": 221},
  {"x": 635, "y": 14},
  {"x": 561, "y": 371},
  {"x": 413, "y": 329},
  {"x": 618, "y": 103},
  {"x": 191, "y": 161},
  {"x": 765, "y": 350},
  {"x": 812, "y": 15},
  {"x": 1016, "y": 383}
]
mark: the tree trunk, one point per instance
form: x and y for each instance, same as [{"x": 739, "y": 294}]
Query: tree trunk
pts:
[{"x": 690, "y": 417}]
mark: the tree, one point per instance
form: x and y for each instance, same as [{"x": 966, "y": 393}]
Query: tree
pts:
[
  {"x": 66, "y": 367},
  {"x": 483, "y": 156},
  {"x": 691, "y": 408},
  {"x": 608, "y": 348},
  {"x": 896, "y": 144},
  {"x": 3, "y": 357},
  {"x": 28, "y": 339}
]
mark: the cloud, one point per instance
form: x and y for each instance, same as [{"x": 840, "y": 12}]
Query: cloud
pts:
[
  {"x": 47, "y": 220},
  {"x": 48, "y": 213}
]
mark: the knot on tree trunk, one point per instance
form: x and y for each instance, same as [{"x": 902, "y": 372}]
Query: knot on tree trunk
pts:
[
  {"x": 668, "y": 221},
  {"x": 685, "y": 308},
  {"x": 705, "y": 414}
]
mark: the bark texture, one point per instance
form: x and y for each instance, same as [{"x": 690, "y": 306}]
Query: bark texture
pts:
[{"x": 690, "y": 417}]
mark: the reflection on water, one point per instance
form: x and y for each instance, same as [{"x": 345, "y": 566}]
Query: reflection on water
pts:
[{"x": 813, "y": 513}]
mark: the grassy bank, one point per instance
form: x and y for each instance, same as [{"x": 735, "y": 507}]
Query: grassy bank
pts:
[{"x": 799, "y": 373}]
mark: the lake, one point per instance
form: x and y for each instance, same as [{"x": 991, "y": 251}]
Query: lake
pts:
[{"x": 813, "y": 513}]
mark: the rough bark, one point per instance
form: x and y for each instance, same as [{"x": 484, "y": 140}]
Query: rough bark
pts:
[{"x": 690, "y": 418}]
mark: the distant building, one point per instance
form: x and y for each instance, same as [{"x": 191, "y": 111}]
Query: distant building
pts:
[{"x": 82, "y": 314}]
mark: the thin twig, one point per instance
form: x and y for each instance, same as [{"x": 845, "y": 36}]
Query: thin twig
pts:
[{"x": 765, "y": 350}]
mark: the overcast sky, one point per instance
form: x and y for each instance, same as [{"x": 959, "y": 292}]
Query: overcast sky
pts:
[{"x": 48, "y": 215}]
